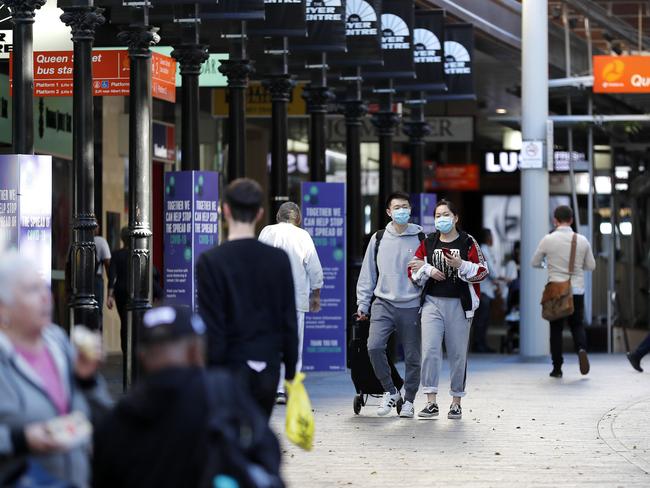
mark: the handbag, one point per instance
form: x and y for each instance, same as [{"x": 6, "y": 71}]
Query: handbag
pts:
[{"x": 557, "y": 300}]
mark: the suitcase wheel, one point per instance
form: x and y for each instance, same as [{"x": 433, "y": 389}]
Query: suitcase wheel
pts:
[
  {"x": 400, "y": 402},
  {"x": 357, "y": 404}
]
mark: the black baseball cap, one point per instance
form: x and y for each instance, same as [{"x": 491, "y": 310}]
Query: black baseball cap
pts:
[{"x": 169, "y": 323}]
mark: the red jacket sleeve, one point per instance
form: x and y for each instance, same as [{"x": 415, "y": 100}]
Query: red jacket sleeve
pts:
[
  {"x": 475, "y": 255},
  {"x": 420, "y": 254}
]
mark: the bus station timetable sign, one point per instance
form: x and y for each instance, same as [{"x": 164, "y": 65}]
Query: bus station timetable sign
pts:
[{"x": 53, "y": 74}]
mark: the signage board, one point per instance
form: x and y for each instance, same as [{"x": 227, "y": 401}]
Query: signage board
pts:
[
  {"x": 324, "y": 213},
  {"x": 258, "y": 101},
  {"x": 455, "y": 177},
  {"x": 163, "y": 139},
  {"x": 363, "y": 35},
  {"x": 459, "y": 71},
  {"x": 53, "y": 74},
  {"x": 532, "y": 155},
  {"x": 283, "y": 18},
  {"x": 191, "y": 227},
  {"x": 423, "y": 205},
  {"x": 6, "y": 43},
  {"x": 325, "y": 28},
  {"x": 621, "y": 74},
  {"x": 509, "y": 161},
  {"x": 26, "y": 208},
  {"x": 210, "y": 75}
]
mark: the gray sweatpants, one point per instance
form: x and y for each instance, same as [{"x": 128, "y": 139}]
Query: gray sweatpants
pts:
[
  {"x": 444, "y": 318},
  {"x": 384, "y": 319}
]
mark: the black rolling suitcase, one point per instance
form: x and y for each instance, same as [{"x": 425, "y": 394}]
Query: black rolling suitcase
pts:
[{"x": 363, "y": 376}]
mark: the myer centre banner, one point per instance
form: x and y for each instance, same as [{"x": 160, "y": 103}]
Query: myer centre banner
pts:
[
  {"x": 26, "y": 208},
  {"x": 323, "y": 216},
  {"x": 191, "y": 228}
]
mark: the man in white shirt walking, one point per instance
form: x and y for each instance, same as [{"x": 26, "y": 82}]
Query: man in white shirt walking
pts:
[
  {"x": 556, "y": 248},
  {"x": 305, "y": 268}
]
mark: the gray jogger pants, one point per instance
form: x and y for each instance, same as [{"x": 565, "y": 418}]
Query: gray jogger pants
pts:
[
  {"x": 384, "y": 319},
  {"x": 444, "y": 318}
]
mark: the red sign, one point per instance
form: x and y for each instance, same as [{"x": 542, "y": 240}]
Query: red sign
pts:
[
  {"x": 53, "y": 74},
  {"x": 455, "y": 177},
  {"x": 621, "y": 74}
]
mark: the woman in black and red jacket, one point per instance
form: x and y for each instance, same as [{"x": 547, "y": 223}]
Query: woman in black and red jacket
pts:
[{"x": 449, "y": 265}]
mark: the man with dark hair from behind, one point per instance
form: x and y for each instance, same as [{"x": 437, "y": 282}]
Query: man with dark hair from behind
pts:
[
  {"x": 555, "y": 248},
  {"x": 177, "y": 426},
  {"x": 246, "y": 298}
]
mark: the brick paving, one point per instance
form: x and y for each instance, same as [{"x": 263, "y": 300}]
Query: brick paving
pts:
[{"x": 519, "y": 428}]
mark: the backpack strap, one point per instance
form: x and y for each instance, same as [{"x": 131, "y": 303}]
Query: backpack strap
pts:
[
  {"x": 572, "y": 259},
  {"x": 378, "y": 236},
  {"x": 422, "y": 236}
]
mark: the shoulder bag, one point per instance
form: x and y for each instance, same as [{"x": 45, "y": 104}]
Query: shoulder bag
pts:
[{"x": 557, "y": 300}]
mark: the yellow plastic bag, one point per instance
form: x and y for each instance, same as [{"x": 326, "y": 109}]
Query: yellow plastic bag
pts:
[{"x": 300, "y": 418}]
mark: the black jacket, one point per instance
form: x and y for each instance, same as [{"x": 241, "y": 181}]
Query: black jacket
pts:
[
  {"x": 246, "y": 299},
  {"x": 157, "y": 435}
]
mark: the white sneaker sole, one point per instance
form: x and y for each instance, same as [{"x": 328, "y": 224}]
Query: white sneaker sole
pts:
[
  {"x": 453, "y": 416},
  {"x": 428, "y": 417},
  {"x": 406, "y": 415}
]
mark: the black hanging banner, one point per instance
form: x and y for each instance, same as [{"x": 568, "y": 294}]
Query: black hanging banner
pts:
[
  {"x": 459, "y": 72},
  {"x": 325, "y": 28},
  {"x": 284, "y": 18},
  {"x": 428, "y": 39},
  {"x": 397, "y": 21},
  {"x": 363, "y": 34},
  {"x": 232, "y": 10}
]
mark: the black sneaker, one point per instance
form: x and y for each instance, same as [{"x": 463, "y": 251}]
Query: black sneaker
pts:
[
  {"x": 556, "y": 373},
  {"x": 583, "y": 360},
  {"x": 455, "y": 412},
  {"x": 281, "y": 398},
  {"x": 634, "y": 361},
  {"x": 429, "y": 411}
]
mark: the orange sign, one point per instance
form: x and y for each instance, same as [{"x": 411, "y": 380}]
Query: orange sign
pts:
[
  {"x": 53, "y": 74},
  {"x": 455, "y": 177},
  {"x": 621, "y": 74}
]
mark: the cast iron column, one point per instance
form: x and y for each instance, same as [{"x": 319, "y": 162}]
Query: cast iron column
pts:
[
  {"x": 385, "y": 121},
  {"x": 280, "y": 86},
  {"x": 83, "y": 20},
  {"x": 237, "y": 69},
  {"x": 139, "y": 38},
  {"x": 190, "y": 57},
  {"x": 22, "y": 113},
  {"x": 355, "y": 110},
  {"x": 317, "y": 98},
  {"x": 417, "y": 129}
]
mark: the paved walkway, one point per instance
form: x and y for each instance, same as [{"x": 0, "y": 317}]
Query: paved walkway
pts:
[{"x": 520, "y": 428}]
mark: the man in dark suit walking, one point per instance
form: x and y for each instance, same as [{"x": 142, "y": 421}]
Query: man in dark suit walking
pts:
[{"x": 246, "y": 298}]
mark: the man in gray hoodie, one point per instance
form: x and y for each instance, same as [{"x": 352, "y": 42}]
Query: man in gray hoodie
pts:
[{"x": 385, "y": 290}]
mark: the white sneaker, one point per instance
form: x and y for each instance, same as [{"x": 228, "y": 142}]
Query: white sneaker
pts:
[
  {"x": 407, "y": 411},
  {"x": 388, "y": 401}
]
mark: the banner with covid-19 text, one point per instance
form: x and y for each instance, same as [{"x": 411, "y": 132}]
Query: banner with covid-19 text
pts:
[{"x": 323, "y": 210}]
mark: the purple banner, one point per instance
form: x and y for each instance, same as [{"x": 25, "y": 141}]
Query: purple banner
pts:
[
  {"x": 323, "y": 208},
  {"x": 191, "y": 227},
  {"x": 422, "y": 211},
  {"x": 26, "y": 208}
]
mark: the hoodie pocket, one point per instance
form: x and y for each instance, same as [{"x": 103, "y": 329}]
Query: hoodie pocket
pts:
[{"x": 396, "y": 287}]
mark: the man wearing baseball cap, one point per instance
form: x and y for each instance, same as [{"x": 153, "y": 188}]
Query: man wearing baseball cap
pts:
[{"x": 162, "y": 434}]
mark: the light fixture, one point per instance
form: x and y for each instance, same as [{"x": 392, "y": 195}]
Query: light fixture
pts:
[
  {"x": 501, "y": 111},
  {"x": 605, "y": 228},
  {"x": 625, "y": 228},
  {"x": 603, "y": 185}
]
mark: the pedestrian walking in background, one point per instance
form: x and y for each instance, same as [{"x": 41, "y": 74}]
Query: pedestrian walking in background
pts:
[
  {"x": 636, "y": 356},
  {"x": 489, "y": 290},
  {"x": 102, "y": 265},
  {"x": 118, "y": 292},
  {"x": 246, "y": 298},
  {"x": 555, "y": 250},
  {"x": 42, "y": 380},
  {"x": 305, "y": 268},
  {"x": 172, "y": 427},
  {"x": 450, "y": 265},
  {"x": 395, "y": 302}
]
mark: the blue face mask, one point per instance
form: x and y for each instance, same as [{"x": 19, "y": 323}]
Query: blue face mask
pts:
[
  {"x": 401, "y": 216},
  {"x": 444, "y": 225}
]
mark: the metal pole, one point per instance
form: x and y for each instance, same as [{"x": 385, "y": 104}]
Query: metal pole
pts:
[
  {"x": 318, "y": 96},
  {"x": 611, "y": 261},
  {"x": 22, "y": 14},
  {"x": 190, "y": 57},
  {"x": 385, "y": 121},
  {"x": 417, "y": 129},
  {"x": 355, "y": 111},
  {"x": 590, "y": 158},
  {"x": 534, "y": 182},
  {"x": 569, "y": 108},
  {"x": 237, "y": 69},
  {"x": 83, "y": 20},
  {"x": 139, "y": 38}
]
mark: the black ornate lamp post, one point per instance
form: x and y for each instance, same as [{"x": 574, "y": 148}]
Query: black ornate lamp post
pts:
[
  {"x": 139, "y": 38},
  {"x": 190, "y": 55},
  {"x": 22, "y": 13},
  {"x": 417, "y": 129},
  {"x": 83, "y": 18},
  {"x": 237, "y": 69},
  {"x": 318, "y": 96}
]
